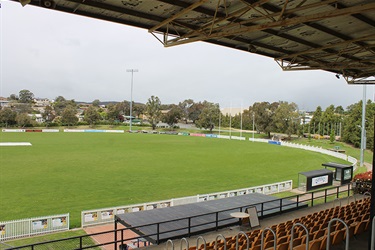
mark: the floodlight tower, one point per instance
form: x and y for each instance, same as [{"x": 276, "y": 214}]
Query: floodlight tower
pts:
[
  {"x": 131, "y": 96},
  {"x": 363, "y": 128}
]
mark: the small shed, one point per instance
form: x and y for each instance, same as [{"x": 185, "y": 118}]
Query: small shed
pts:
[
  {"x": 314, "y": 179},
  {"x": 342, "y": 173}
]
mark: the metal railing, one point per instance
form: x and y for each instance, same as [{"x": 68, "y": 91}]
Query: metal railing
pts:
[{"x": 117, "y": 237}]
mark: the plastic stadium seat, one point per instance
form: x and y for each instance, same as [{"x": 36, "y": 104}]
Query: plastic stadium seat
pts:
[
  {"x": 360, "y": 228},
  {"x": 257, "y": 247},
  {"x": 281, "y": 234},
  {"x": 300, "y": 247},
  {"x": 297, "y": 242},
  {"x": 269, "y": 244},
  {"x": 319, "y": 234},
  {"x": 283, "y": 239},
  {"x": 315, "y": 244},
  {"x": 351, "y": 230},
  {"x": 338, "y": 237},
  {"x": 283, "y": 246},
  {"x": 323, "y": 242},
  {"x": 314, "y": 229}
]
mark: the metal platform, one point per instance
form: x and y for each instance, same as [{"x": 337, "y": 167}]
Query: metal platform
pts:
[{"x": 159, "y": 225}]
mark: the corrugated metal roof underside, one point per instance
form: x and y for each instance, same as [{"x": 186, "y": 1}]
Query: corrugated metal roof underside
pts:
[{"x": 336, "y": 36}]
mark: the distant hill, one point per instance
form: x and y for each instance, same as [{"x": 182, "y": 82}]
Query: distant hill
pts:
[{"x": 104, "y": 102}]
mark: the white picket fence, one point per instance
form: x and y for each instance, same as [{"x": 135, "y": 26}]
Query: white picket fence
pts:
[
  {"x": 27, "y": 227},
  {"x": 312, "y": 148},
  {"x": 323, "y": 151},
  {"x": 106, "y": 215}
]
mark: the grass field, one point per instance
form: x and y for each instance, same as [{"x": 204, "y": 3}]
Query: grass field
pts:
[
  {"x": 71, "y": 172},
  {"x": 350, "y": 150}
]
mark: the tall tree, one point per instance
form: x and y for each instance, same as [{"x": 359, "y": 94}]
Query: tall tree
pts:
[
  {"x": 112, "y": 113},
  {"x": 264, "y": 115},
  {"x": 185, "y": 107},
  {"x": 172, "y": 116},
  {"x": 68, "y": 116},
  {"x": 91, "y": 115},
  {"x": 209, "y": 116},
  {"x": 153, "y": 110},
  {"x": 61, "y": 103},
  {"x": 96, "y": 103},
  {"x": 48, "y": 114},
  {"x": 7, "y": 117},
  {"x": 138, "y": 109},
  {"x": 13, "y": 97},
  {"x": 352, "y": 124},
  {"x": 194, "y": 111},
  {"x": 316, "y": 120},
  {"x": 370, "y": 115},
  {"x": 247, "y": 119},
  {"x": 339, "y": 110},
  {"x": 286, "y": 118},
  {"x": 26, "y": 96},
  {"x": 23, "y": 120},
  {"x": 328, "y": 119}
]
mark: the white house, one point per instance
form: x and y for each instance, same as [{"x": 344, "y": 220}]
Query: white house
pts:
[
  {"x": 42, "y": 102},
  {"x": 37, "y": 117},
  {"x": 4, "y": 102}
]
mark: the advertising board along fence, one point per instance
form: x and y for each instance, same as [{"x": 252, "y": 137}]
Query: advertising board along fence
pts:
[
  {"x": 30, "y": 130},
  {"x": 32, "y": 226},
  {"x": 92, "y": 131},
  {"x": 106, "y": 215}
]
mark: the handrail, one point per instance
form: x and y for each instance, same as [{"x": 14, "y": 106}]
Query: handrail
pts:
[
  {"x": 292, "y": 238},
  {"x": 355, "y": 199},
  {"x": 329, "y": 233},
  {"x": 334, "y": 202},
  {"x": 186, "y": 243},
  {"x": 204, "y": 240},
  {"x": 262, "y": 239},
  {"x": 366, "y": 194},
  {"x": 166, "y": 244},
  {"x": 225, "y": 241},
  {"x": 247, "y": 239}
]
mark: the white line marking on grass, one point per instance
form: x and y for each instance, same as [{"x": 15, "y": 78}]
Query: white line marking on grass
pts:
[{"x": 8, "y": 144}]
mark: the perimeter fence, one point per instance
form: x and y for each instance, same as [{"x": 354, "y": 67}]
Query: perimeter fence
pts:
[{"x": 33, "y": 226}]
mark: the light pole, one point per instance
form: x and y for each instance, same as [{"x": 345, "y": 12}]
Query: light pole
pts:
[
  {"x": 363, "y": 128},
  {"x": 131, "y": 96}
]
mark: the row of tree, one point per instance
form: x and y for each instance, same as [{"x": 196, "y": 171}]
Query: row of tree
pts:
[{"x": 264, "y": 117}]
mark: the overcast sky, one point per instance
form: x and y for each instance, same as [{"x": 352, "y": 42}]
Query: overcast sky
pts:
[{"x": 52, "y": 53}]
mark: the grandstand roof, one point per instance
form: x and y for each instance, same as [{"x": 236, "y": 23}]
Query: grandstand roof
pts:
[{"x": 335, "y": 36}]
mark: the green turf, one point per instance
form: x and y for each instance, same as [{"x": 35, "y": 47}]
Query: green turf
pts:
[
  {"x": 66, "y": 244},
  {"x": 71, "y": 172},
  {"x": 350, "y": 150}
]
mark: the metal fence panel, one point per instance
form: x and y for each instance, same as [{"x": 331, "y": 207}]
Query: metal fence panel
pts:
[{"x": 32, "y": 226}]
